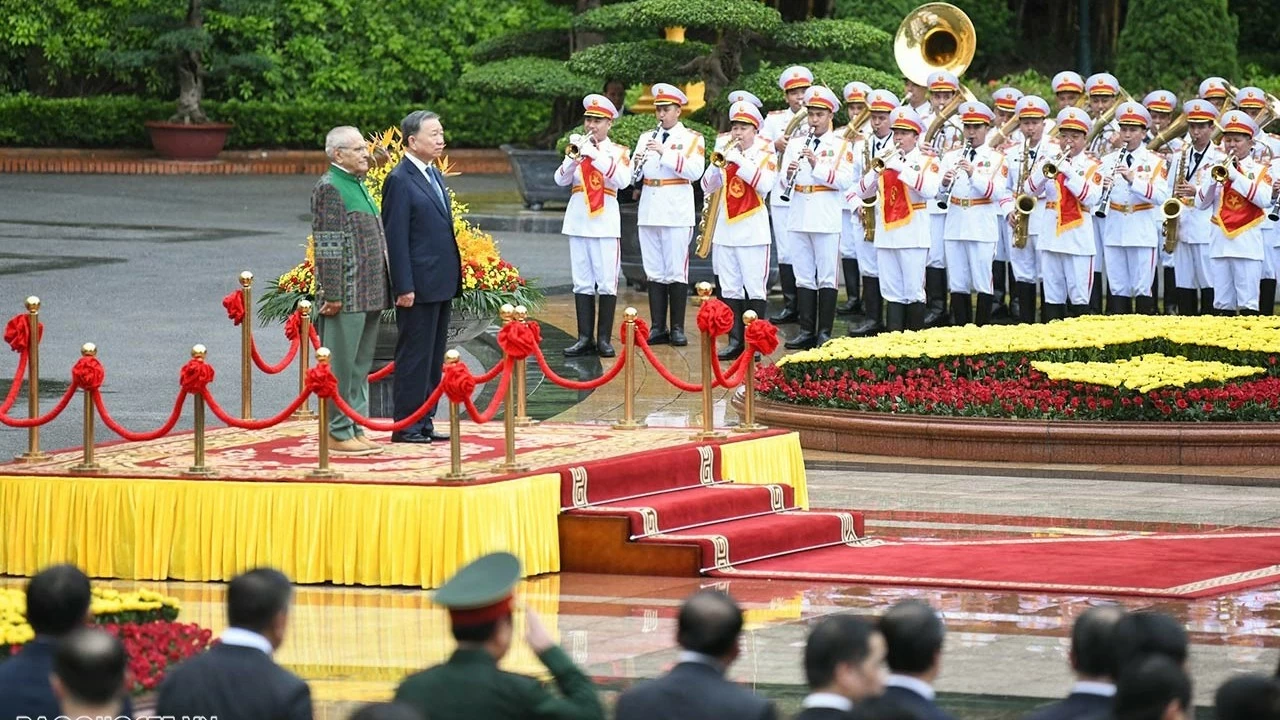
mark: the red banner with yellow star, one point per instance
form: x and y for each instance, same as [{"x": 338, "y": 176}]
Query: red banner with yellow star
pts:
[
  {"x": 740, "y": 199},
  {"x": 1235, "y": 213},
  {"x": 593, "y": 187},
  {"x": 895, "y": 201}
]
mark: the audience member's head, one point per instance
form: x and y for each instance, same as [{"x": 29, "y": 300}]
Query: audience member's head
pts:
[
  {"x": 1154, "y": 687},
  {"x": 845, "y": 655},
  {"x": 879, "y": 708},
  {"x": 709, "y": 623},
  {"x": 1248, "y": 697},
  {"x": 386, "y": 711},
  {"x": 1149, "y": 633},
  {"x": 58, "y": 600},
  {"x": 616, "y": 91},
  {"x": 258, "y": 601},
  {"x": 1093, "y": 651},
  {"x": 89, "y": 673},
  {"x": 914, "y": 633}
]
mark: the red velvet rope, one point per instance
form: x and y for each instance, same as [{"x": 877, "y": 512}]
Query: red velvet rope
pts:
[
  {"x": 294, "y": 322},
  {"x": 458, "y": 383},
  {"x": 87, "y": 374},
  {"x": 762, "y": 336},
  {"x": 385, "y": 371},
  {"x": 17, "y": 332},
  {"x": 498, "y": 397},
  {"x": 43, "y": 419},
  {"x": 715, "y": 318},
  {"x": 280, "y": 366},
  {"x": 125, "y": 433},
  {"x": 585, "y": 385},
  {"x": 736, "y": 373},
  {"x": 519, "y": 339},
  {"x": 16, "y": 386},
  {"x": 261, "y": 424},
  {"x": 195, "y": 376},
  {"x": 234, "y": 304},
  {"x": 642, "y": 339},
  {"x": 316, "y": 382}
]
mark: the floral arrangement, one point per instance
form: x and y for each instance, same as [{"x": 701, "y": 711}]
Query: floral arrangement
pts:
[
  {"x": 1089, "y": 368},
  {"x": 488, "y": 281},
  {"x": 143, "y": 620}
]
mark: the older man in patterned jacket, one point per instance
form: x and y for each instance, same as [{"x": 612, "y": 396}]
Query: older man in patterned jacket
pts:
[{"x": 353, "y": 279}]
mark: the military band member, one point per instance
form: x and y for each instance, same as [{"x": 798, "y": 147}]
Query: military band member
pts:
[
  {"x": 740, "y": 245},
  {"x": 901, "y": 188},
  {"x": 974, "y": 184},
  {"x": 1239, "y": 205},
  {"x": 878, "y": 141},
  {"x": 917, "y": 97},
  {"x": 665, "y": 163},
  {"x": 736, "y": 96},
  {"x": 1032, "y": 111},
  {"x": 1068, "y": 89},
  {"x": 855, "y": 105},
  {"x": 1103, "y": 89},
  {"x": 1191, "y": 264},
  {"x": 794, "y": 81},
  {"x": 1006, "y": 105},
  {"x": 1214, "y": 89},
  {"x": 817, "y": 169},
  {"x": 600, "y": 169},
  {"x": 1266, "y": 149},
  {"x": 1138, "y": 182},
  {"x": 1160, "y": 105},
  {"x": 1065, "y": 238},
  {"x": 943, "y": 87}
]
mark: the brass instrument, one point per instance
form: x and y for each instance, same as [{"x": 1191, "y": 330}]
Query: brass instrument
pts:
[
  {"x": 1176, "y": 129},
  {"x": 1050, "y": 167},
  {"x": 878, "y": 162},
  {"x": 936, "y": 36},
  {"x": 637, "y": 170},
  {"x": 1171, "y": 210},
  {"x": 574, "y": 149},
  {"x": 1103, "y": 120},
  {"x": 944, "y": 193},
  {"x": 1024, "y": 203},
  {"x": 851, "y": 133},
  {"x": 711, "y": 206},
  {"x": 793, "y": 130},
  {"x": 1266, "y": 118},
  {"x": 718, "y": 156},
  {"x": 1104, "y": 203},
  {"x": 868, "y": 204},
  {"x": 1002, "y": 134},
  {"x": 1220, "y": 173}
]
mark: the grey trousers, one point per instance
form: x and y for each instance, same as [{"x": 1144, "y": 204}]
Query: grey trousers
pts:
[{"x": 351, "y": 338}]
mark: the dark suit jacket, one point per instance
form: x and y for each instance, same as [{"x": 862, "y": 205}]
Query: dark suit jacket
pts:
[
  {"x": 1076, "y": 706},
  {"x": 231, "y": 681},
  {"x": 820, "y": 713},
  {"x": 923, "y": 707},
  {"x": 24, "y": 683},
  {"x": 692, "y": 691},
  {"x": 420, "y": 243}
]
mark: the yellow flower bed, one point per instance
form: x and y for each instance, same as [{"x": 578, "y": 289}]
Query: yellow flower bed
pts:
[
  {"x": 1249, "y": 334},
  {"x": 104, "y": 604},
  {"x": 1146, "y": 372}
]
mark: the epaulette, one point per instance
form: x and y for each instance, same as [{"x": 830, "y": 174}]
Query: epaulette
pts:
[{"x": 778, "y": 112}]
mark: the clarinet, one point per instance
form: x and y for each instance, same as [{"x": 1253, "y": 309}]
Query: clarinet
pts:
[
  {"x": 638, "y": 170},
  {"x": 944, "y": 194},
  {"x": 1104, "y": 203},
  {"x": 791, "y": 178}
]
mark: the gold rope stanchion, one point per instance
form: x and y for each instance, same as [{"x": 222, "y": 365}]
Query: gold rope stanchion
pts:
[
  {"x": 748, "y": 423},
  {"x": 198, "y": 468},
  {"x": 708, "y": 431},
  {"x": 629, "y": 421},
  {"x": 33, "y": 453},
  {"x": 522, "y": 414},
  {"x": 246, "y": 347},
  {"x": 322, "y": 422},
  {"x": 509, "y": 463},
  {"x": 304, "y": 352},
  {"x": 455, "y": 431},
  {"x": 87, "y": 466}
]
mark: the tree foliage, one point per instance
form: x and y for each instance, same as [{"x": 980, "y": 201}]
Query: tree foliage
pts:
[
  {"x": 835, "y": 39},
  {"x": 719, "y": 14},
  {"x": 1165, "y": 44},
  {"x": 551, "y": 43},
  {"x": 529, "y": 77},
  {"x": 637, "y": 62}
]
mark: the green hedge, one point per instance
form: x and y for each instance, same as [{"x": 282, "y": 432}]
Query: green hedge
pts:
[
  {"x": 1173, "y": 44},
  {"x": 117, "y": 121},
  {"x": 638, "y": 62}
]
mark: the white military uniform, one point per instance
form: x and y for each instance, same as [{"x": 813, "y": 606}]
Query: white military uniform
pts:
[
  {"x": 594, "y": 240},
  {"x": 851, "y": 232},
  {"x": 1236, "y": 262},
  {"x": 775, "y": 125},
  {"x": 1191, "y": 265},
  {"x": 741, "y": 247},
  {"x": 901, "y": 252},
  {"x": 867, "y": 263},
  {"x": 1025, "y": 261},
  {"x": 817, "y": 205},
  {"x": 665, "y": 216},
  {"x": 1131, "y": 230},
  {"x": 950, "y": 137},
  {"x": 1266, "y": 150},
  {"x": 1067, "y": 253},
  {"x": 973, "y": 216}
]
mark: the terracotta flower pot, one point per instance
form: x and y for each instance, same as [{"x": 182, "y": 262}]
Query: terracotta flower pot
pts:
[{"x": 178, "y": 141}]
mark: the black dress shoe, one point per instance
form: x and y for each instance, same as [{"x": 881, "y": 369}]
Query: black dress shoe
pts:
[
  {"x": 442, "y": 437},
  {"x": 410, "y": 437}
]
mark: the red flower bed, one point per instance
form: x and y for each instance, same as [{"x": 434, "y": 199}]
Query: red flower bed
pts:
[{"x": 155, "y": 646}]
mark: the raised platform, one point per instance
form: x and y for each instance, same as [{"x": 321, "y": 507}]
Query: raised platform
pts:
[{"x": 388, "y": 521}]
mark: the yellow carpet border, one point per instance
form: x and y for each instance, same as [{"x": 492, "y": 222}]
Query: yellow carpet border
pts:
[{"x": 346, "y": 534}]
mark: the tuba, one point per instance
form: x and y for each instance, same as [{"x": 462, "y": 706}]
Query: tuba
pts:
[
  {"x": 1176, "y": 129},
  {"x": 1106, "y": 117},
  {"x": 936, "y": 36}
]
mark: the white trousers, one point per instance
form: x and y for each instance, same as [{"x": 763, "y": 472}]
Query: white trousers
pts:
[
  {"x": 937, "y": 246},
  {"x": 816, "y": 259},
  {"x": 595, "y": 263},
  {"x": 969, "y": 266},
  {"x": 1270, "y": 255},
  {"x": 1166, "y": 259},
  {"x": 1191, "y": 266},
  {"x": 851, "y": 235},
  {"x": 1024, "y": 261},
  {"x": 1235, "y": 283},
  {"x": 902, "y": 274},
  {"x": 781, "y": 235},
  {"x": 1002, "y": 245},
  {"x": 1130, "y": 270},
  {"x": 743, "y": 271},
  {"x": 1100, "y": 254},
  {"x": 1067, "y": 278},
  {"x": 665, "y": 252},
  {"x": 868, "y": 264}
]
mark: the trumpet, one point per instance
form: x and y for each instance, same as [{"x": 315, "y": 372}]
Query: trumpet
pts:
[
  {"x": 1050, "y": 167},
  {"x": 637, "y": 170},
  {"x": 573, "y": 150},
  {"x": 878, "y": 162},
  {"x": 944, "y": 193},
  {"x": 1104, "y": 203},
  {"x": 1220, "y": 172},
  {"x": 718, "y": 158}
]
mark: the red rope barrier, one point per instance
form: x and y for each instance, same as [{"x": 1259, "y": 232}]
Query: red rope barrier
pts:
[
  {"x": 394, "y": 426},
  {"x": 642, "y": 341},
  {"x": 45, "y": 418},
  {"x": 279, "y": 367},
  {"x": 17, "y": 332},
  {"x": 260, "y": 424},
  {"x": 498, "y": 397},
  {"x": 17, "y": 384},
  {"x": 234, "y": 305},
  {"x": 736, "y": 374},
  {"x": 125, "y": 433},
  {"x": 385, "y": 371},
  {"x": 583, "y": 385}
]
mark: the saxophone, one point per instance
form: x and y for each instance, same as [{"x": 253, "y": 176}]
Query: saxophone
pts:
[
  {"x": 1171, "y": 210},
  {"x": 868, "y": 204},
  {"x": 1024, "y": 203},
  {"x": 711, "y": 204}
]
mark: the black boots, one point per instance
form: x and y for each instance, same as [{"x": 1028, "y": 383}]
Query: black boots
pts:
[
  {"x": 585, "y": 307},
  {"x": 999, "y": 272},
  {"x": 1170, "y": 292},
  {"x": 915, "y": 316},
  {"x": 960, "y": 309},
  {"x": 1095, "y": 296},
  {"x": 1119, "y": 305},
  {"x": 604, "y": 325},
  {"x": 826, "y": 313},
  {"x": 1144, "y": 305},
  {"x": 679, "y": 299},
  {"x": 1206, "y": 301},
  {"x": 787, "y": 279},
  {"x": 658, "y": 295},
  {"x": 1187, "y": 302},
  {"x": 807, "y": 310},
  {"x": 1054, "y": 311},
  {"x": 872, "y": 304},
  {"x": 853, "y": 303},
  {"x": 895, "y": 316},
  {"x": 986, "y": 306},
  {"x": 735, "y": 346},
  {"x": 1024, "y": 297},
  {"x": 935, "y": 290},
  {"x": 1267, "y": 297}
]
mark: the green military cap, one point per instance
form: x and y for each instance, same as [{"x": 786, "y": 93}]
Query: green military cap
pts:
[{"x": 480, "y": 592}]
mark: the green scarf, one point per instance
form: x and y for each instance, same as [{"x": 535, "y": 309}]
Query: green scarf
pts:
[{"x": 355, "y": 195}]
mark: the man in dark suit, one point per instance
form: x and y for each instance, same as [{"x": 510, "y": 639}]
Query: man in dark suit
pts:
[
  {"x": 708, "y": 632},
  {"x": 1139, "y": 634},
  {"x": 844, "y": 664},
  {"x": 57, "y": 603},
  {"x": 1093, "y": 656},
  {"x": 88, "y": 674},
  {"x": 236, "y": 678},
  {"x": 1248, "y": 697},
  {"x": 914, "y": 633},
  {"x": 1153, "y": 687},
  {"x": 426, "y": 269}
]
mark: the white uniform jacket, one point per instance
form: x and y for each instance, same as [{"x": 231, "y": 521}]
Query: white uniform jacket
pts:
[
  {"x": 1059, "y": 232},
  {"x": 817, "y": 200},
  {"x": 1250, "y": 184},
  {"x": 666, "y": 190},
  {"x": 775, "y": 125},
  {"x": 1195, "y": 223},
  {"x": 756, "y": 169},
  {"x": 918, "y": 173},
  {"x": 614, "y": 165},
  {"x": 973, "y": 208},
  {"x": 1134, "y": 220},
  {"x": 1047, "y": 148}
]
